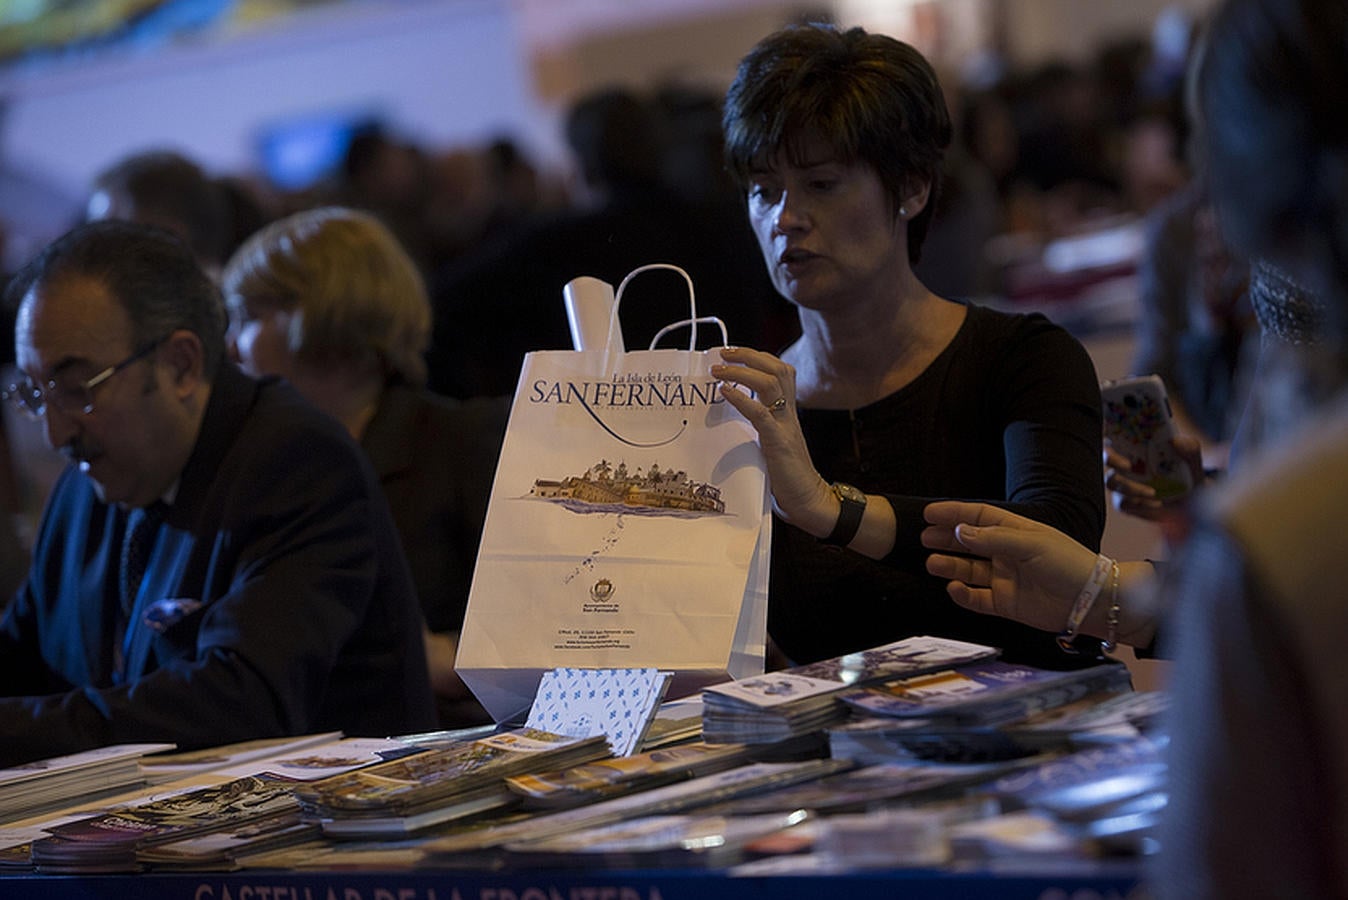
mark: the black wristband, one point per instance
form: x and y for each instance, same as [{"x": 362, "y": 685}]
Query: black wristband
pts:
[{"x": 849, "y": 514}]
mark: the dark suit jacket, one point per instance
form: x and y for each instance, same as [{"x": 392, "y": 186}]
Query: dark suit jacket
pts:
[
  {"x": 436, "y": 459},
  {"x": 283, "y": 600}
]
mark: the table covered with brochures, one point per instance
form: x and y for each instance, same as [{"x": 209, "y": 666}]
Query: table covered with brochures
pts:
[{"x": 923, "y": 768}]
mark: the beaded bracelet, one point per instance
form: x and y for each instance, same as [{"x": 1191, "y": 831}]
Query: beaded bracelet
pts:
[
  {"x": 1112, "y": 618},
  {"x": 1085, "y": 600}
]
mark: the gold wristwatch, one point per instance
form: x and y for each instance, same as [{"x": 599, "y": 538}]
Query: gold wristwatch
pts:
[{"x": 849, "y": 516}]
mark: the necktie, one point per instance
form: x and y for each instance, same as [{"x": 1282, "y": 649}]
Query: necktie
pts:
[{"x": 142, "y": 526}]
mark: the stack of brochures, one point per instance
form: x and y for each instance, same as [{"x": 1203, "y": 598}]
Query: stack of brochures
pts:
[
  {"x": 751, "y": 778},
  {"x": 210, "y": 817},
  {"x": 138, "y": 810},
  {"x": 870, "y": 787},
  {"x": 679, "y": 841},
  {"x": 229, "y": 849},
  {"x": 291, "y": 760},
  {"x": 607, "y": 778},
  {"x": 966, "y": 713},
  {"x": 1111, "y": 796},
  {"x": 675, "y": 722},
  {"x": 112, "y": 841},
  {"x": 51, "y": 783},
  {"x": 1101, "y": 718},
  {"x": 409, "y": 795},
  {"x": 804, "y": 699}
]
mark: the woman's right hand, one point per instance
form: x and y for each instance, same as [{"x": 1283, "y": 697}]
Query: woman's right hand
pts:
[
  {"x": 1028, "y": 571},
  {"x": 763, "y": 388}
]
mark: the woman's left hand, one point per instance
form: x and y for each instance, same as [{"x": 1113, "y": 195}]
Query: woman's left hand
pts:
[
  {"x": 763, "y": 388},
  {"x": 1024, "y": 570}
]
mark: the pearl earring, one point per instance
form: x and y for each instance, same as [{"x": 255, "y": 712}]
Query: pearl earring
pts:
[{"x": 903, "y": 212}]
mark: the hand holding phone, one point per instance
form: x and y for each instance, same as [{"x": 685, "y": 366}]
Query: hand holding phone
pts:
[{"x": 1139, "y": 426}]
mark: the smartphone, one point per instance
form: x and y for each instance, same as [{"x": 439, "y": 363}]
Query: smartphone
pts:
[{"x": 1139, "y": 425}]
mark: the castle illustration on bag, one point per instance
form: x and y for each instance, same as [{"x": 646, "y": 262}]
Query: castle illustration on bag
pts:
[{"x": 606, "y": 488}]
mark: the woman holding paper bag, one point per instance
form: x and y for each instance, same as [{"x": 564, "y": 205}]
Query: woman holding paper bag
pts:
[{"x": 892, "y": 396}]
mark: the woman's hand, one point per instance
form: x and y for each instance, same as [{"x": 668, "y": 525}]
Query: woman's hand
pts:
[
  {"x": 763, "y": 389},
  {"x": 1030, "y": 572},
  {"x": 1137, "y": 499}
]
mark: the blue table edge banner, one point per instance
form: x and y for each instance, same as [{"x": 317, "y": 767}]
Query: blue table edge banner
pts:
[{"x": 1105, "y": 880}]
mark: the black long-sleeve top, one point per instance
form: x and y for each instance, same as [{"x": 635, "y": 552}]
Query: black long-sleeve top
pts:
[{"x": 1008, "y": 413}]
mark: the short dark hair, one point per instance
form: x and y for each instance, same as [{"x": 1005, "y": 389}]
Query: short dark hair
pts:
[
  {"x": 151, "y": 272},
  {"x": 874, "y": 99},
  {"x": 168, "y": 187}
]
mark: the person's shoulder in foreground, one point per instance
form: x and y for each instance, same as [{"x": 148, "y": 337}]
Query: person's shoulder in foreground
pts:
[{"x": 1259, "y": 670}]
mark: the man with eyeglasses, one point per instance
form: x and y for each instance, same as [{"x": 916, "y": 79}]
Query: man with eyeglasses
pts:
[{"x": 218, "y": 562}]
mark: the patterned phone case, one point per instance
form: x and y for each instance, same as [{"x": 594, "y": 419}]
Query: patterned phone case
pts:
[{"x": 1138, "y": 424}]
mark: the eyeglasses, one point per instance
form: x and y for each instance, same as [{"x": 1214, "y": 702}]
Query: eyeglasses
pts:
[{"x": 32, "y": 400}]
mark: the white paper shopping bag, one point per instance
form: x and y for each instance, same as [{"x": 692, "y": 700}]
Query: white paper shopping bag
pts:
[{"x": 628, "y": 527}]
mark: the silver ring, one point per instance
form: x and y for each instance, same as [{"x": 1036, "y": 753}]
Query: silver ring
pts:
[{"x": 777, "y": 405}]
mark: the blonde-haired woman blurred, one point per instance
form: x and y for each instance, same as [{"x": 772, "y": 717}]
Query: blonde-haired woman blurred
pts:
[{"x": 328, "y": 299}]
